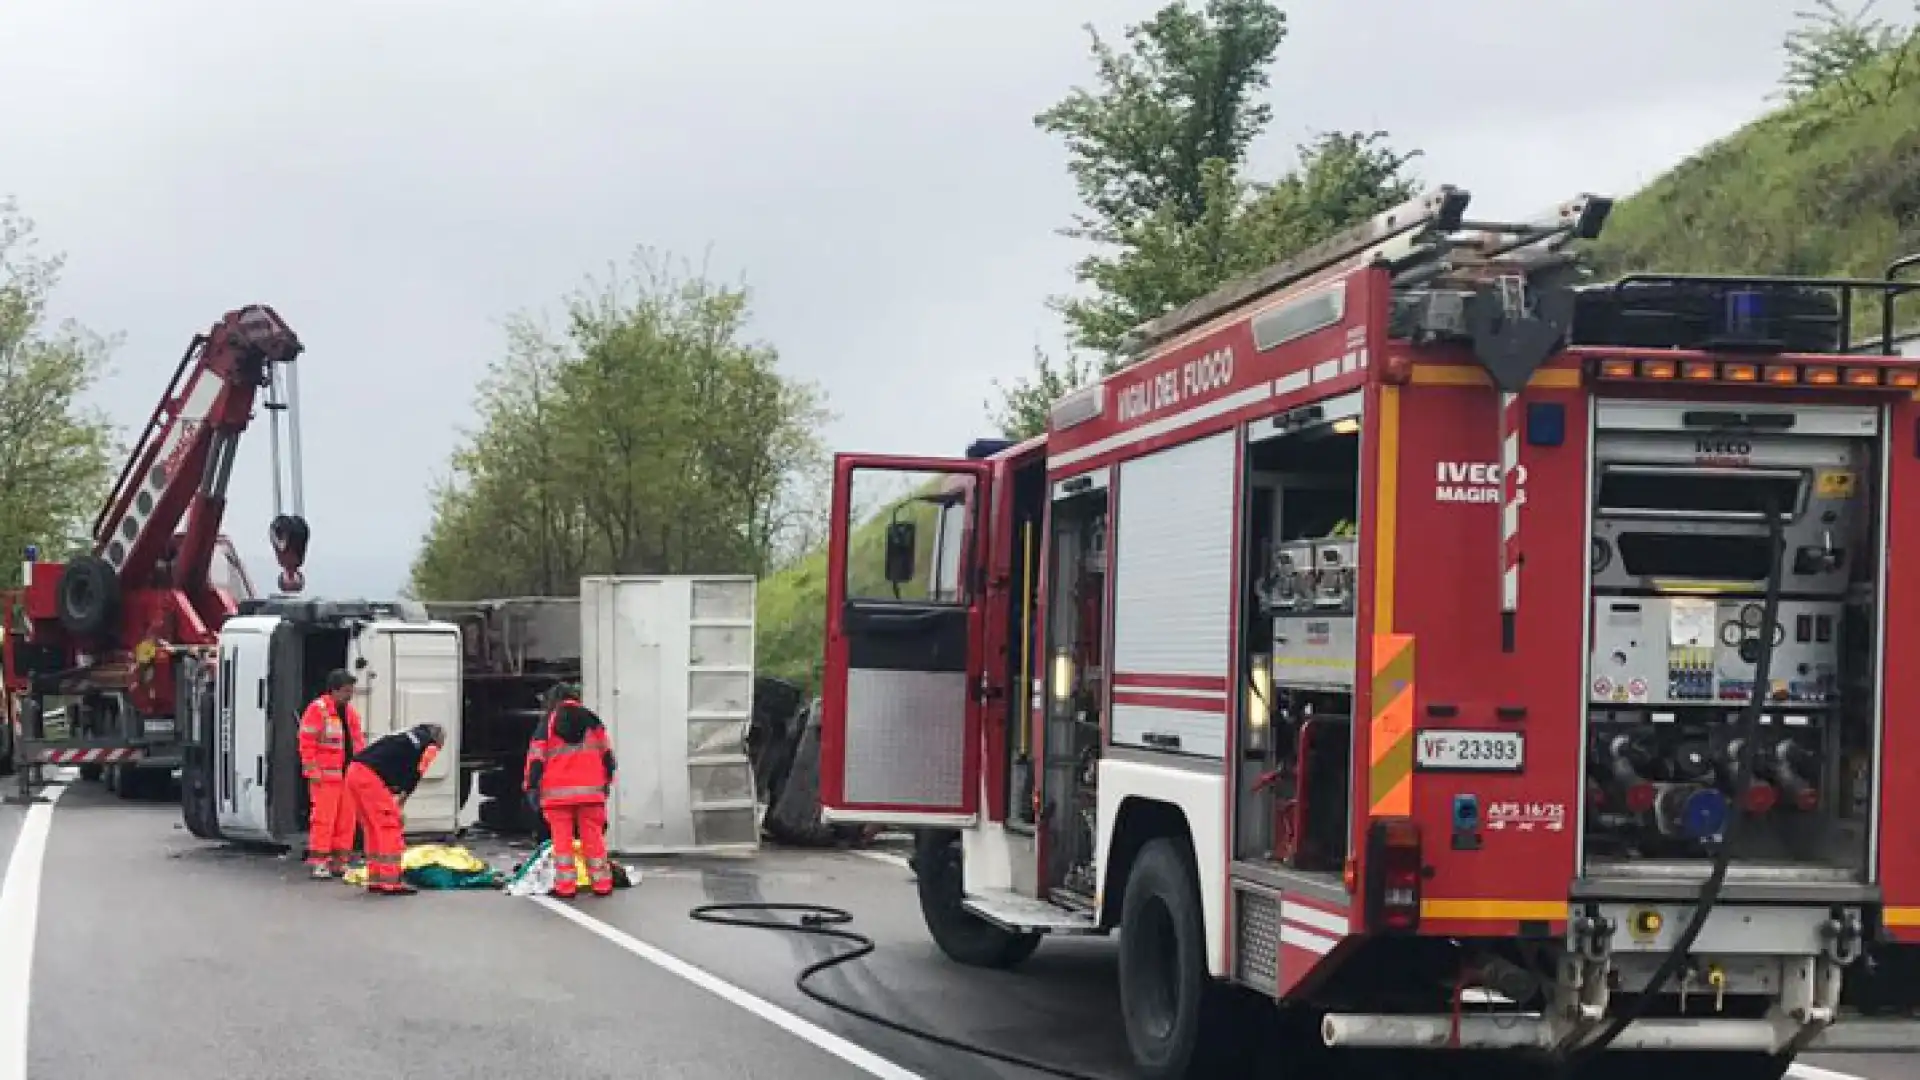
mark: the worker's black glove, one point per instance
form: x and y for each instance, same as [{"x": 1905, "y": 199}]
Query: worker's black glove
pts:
[{"x": 533, "y": 800}]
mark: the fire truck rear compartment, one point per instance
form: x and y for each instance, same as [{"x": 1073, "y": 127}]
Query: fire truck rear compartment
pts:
[
  {"x": 1679, "y": 559},
  {"x": 1298, "y": 639}
]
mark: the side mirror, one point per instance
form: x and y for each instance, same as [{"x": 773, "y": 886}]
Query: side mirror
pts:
[{"x": 901, "y": 541}]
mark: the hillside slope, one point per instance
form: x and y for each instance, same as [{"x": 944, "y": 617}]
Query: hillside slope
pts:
[
  {"x": 1816, "y": 188},
  {"x": 1821, "y": 187}
]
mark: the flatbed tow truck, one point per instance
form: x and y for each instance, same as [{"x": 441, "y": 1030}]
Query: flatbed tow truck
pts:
[{"x": 1420, "y": 649}]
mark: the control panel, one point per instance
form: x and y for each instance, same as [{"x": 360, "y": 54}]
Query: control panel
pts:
[
  {"x": 1701, "y": 651},
  {"x": 1310, "y": 597}
]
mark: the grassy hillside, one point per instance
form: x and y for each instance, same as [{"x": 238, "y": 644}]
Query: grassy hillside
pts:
[
  {"x": 1825, "y": 187},
  {"x": 1828, "y": 186}
]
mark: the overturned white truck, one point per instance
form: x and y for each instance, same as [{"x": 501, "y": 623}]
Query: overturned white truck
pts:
[{"x": 667, "y": 662}]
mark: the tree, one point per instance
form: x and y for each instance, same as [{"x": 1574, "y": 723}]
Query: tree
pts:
[
  {"x": 1158, "y": 151},
  {"x": 1022, "y": 412},
  {"x": 647, "y": 436},
  {"x": 1834, "y": 49},
  {"x": 54, "y": 450}
]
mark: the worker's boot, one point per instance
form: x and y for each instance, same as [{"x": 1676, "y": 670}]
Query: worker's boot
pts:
[{"x": 400, "y": 889}]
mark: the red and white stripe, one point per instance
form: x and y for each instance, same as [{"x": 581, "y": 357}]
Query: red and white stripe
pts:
[
  {"x": 91, "y": 756},
  {"x": 1186, "y": 693},
  {"x": 1511, "y": 419},
  {"x": 1307, "y": 933}
]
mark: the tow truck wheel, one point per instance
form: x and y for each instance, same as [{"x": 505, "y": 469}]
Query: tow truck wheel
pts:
[
  {"x": 966, "y": 938},
  {"x": 1179, "y": 1021}
]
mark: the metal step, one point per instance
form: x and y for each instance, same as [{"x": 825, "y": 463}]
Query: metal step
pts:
[{"x": 1011, "y": 911}]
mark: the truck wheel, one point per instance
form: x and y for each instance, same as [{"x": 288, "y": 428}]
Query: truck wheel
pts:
[
  {"x": 88, "y": 597},
  {"x": 1178, "y": 1020},
  {"x": 966, "y": 938}
]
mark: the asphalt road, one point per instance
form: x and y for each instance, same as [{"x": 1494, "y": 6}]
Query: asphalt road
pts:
[{"x": 158, "y": 956}]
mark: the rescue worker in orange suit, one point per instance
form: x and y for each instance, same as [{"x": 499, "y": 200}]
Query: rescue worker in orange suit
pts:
[
  {"x": 380, "y": 779},
  {"x": 570, "y": 771},
  {"x": 330, "y": 734}
]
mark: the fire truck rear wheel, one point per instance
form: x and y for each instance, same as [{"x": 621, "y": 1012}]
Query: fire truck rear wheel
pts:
[
  {"x": 1179, "y": 1021},
  {"x": 966, "y": 938},
  {"x": 88, "y": 596}
]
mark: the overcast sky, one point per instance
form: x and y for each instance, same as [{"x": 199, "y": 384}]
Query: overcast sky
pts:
[{"x": 397, "y": 176}]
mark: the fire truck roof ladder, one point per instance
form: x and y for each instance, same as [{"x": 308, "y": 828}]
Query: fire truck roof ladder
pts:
[{"x": 1427, "y": 242}]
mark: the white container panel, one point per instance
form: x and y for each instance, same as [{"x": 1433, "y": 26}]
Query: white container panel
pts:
[{"x": 667, "y": 663}]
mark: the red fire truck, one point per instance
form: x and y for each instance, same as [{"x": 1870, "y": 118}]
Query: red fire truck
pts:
[{"x": 1419, "y": 648}]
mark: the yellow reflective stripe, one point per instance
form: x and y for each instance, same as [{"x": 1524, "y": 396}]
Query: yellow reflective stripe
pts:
[{"x": 1494, "y": 910}]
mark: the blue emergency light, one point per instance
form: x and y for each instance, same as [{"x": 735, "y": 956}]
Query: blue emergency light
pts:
[{"x": 1746, "y": 310}]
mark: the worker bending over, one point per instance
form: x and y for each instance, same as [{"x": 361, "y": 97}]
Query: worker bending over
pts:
[
  {"x": 330, "y": 733},
  {"x": 379, "y": 780},
  {"x": 570, "y": 769}
]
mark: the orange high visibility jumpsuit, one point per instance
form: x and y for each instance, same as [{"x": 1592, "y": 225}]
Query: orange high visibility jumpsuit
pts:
[
  {"x": 328, "y": 737},
  {"x": 573, "y": 779},
  {"x": 393, "y": 765}
]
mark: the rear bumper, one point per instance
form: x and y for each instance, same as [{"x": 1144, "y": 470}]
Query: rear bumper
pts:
[
  {"x": 1509, "y": 1032},
  {"x": 63, "y": 752}
]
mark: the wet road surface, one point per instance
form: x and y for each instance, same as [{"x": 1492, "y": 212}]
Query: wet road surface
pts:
[{"x": 161, "y": 956}]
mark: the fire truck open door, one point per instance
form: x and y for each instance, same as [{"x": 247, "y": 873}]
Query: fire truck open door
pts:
[{"x": 900, "y": 719}]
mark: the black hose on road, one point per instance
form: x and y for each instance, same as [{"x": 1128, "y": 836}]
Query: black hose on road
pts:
[{"x": 819, "y": 920}]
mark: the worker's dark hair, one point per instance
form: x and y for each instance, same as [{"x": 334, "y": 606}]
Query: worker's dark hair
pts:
[
  {"x": 558, "y": 693},
  {"x": 572, "y": 722},
  {"x": 338, "y": 678}
]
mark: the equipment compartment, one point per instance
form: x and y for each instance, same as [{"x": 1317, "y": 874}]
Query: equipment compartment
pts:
[{"x": 1681, "y": 560}]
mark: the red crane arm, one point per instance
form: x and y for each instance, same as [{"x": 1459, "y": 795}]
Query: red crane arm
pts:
[{"x": 181, "y": 464}]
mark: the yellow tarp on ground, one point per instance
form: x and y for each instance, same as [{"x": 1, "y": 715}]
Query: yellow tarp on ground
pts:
[{"x": 446, "y": 856}]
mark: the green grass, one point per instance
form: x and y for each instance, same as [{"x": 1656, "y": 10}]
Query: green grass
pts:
[
  {"x": 1820, "y": 187},
  {"x": 1815, "y": 188}
]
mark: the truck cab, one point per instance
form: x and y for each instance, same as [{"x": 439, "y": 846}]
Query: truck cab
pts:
[{"x": 242, "y": 700}]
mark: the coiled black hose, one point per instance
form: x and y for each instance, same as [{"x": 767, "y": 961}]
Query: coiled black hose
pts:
[{"x": 819, "y": 920}]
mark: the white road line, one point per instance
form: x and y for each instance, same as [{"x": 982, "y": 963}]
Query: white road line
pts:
[
  {"x": 1815, "y": 1072},
  {"x": 887, "y": 857},
  {"x": 19, "y": 916},
  {"x": 859, "y": 1057}
]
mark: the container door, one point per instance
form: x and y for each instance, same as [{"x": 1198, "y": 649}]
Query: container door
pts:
[
  {"x": 413, "y": 677},
  {"x": 240, "y": 749},
  {"x": 900, "y": 716}
]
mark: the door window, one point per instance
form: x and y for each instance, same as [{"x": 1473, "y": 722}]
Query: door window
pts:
[{"x": 907, "y": 536}]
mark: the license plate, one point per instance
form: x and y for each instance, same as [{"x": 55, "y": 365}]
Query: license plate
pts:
[{"x": 1470, "y": 751}]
